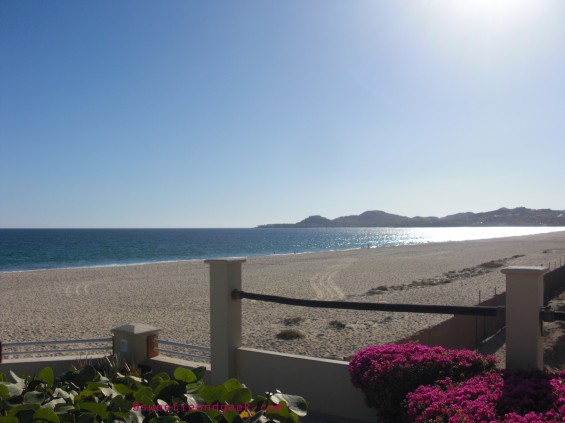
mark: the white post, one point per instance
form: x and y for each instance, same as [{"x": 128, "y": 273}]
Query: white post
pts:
[
  {"x": 225, "y": 317},
  {"x": 524, "y": 300},
  {"x": 131, "y": 341}
]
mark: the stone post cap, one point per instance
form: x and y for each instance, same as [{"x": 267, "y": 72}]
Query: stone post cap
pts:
[
  {"x": 524, "y": 269},
  {"x": 135, "y": 329}
]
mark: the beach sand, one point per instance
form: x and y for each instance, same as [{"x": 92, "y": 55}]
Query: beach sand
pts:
[{"x": 89, "y": 302}]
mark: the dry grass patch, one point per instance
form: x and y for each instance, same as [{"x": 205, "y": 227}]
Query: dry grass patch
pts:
[{"x": 288, "y": 334}]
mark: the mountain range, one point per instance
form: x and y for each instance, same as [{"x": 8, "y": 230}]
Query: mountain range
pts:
[{"x": 520, "y": 216}]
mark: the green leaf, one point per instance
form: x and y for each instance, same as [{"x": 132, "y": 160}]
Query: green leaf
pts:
[
  {"x": 53, "y": 403},
  {"x": 34, "y": 397},
  {"x": 135, "y": 417},
  {"x": 142, "y": 394},
  {"x": 87, "y": 418},
  {"x": 120, "y": 404},
  {"x": 199, "y": 372},
  {"x": 211, "y": 394},
  {"x": 233, "y": 384},
  {"x": 122, "y": 389},
  {"x": 86, "y": 393},
  {"x": 165, "y": 419},
  {"x": 197, "y": 417},
  {"x": 296, "y": 403},
  {"x": 46, "y": 375},
  {"x": 4, "y": 392},
  {"x": 237, "y": 396},
  {"x": 23, "y": 407},
  {"x": 168, "y": 390},
  {"x": 46, "y": 415},
  {"x": 161, "y": 375},
  {"x": 63, "y": 409},
  {"x": 8, "y": 419},
  {"x": 58, "y": 392},
  {"x": 109, "y": 392},
  {"x": 194, "y": 400},
  {"x": 14, "y": 389},
  {"x": 259, "y": 418},
  {"x": 185, "y": 375},
  {"x": 88, "y": 374},
  {"x": 21, "y": 383},
  {"x": 95, "y": 407}
]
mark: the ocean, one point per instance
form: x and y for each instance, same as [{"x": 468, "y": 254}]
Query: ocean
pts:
[{"x": 34, "y": 249}]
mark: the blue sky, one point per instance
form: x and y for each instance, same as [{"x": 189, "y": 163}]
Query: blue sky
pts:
[{"x": 137, "y": 113}]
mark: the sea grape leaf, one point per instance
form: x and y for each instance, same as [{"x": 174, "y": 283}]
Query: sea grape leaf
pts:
[
  {"x": 211, "y": 394},
  {"x": 63, "y": 409},
  {"x": 199, "y": 372},
  {"x": 122, "y": 389},
  {"x": 53, "y": 403},
  {"x": 87, "y": 418},
  {"x": 197, "y": 417},
  {"x": 23, "y": 407},
  {"x": 34, "y": 397},
  {"x": 296, "y": 403},
  {"x": 20, "y": 383},
  {"x": 233, "y": 384},
  {"x": 46, "y": 375},
  {"x": 145, "y": 392},
  {"x": 237, "y": 396},
  {"x": 46, "y": 415},
  {"x": 185, "y": 375},
  {"x": 4, "y": 392},
  {"x": 161, "y": 375},
  {"x": 165, "y": 419},
  {"x": 95, "y": 407},
  {"x": 58, "y": 392},
  {"x": 87, "y": 374}
]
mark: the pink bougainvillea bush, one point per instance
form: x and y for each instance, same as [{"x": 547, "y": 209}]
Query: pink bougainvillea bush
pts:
[
  {"x": 499, "y": 396},
  {"x": 387, "y": 373}
]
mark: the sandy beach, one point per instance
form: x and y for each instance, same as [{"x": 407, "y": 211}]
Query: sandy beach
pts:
[{"x": 88, "y": 302}]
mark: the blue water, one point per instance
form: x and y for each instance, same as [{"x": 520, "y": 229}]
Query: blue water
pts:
[{"x": 32, "y": 249}]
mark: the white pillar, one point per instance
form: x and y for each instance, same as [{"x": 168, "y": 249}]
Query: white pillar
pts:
[
  {"x": 225, "y": 317},
  {"x": 524, "y": 300}
]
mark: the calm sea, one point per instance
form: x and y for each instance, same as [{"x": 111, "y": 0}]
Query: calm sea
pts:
[{"x": 32, "y": 249}]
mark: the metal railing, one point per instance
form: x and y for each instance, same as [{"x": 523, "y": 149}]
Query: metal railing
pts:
[
  {"x": 203, "y": 357},
  {"x": 346, "y": 305},
  {"x": 27, "y": 344}
]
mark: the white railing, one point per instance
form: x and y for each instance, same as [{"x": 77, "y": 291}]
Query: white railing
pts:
[
  {"x": 203, "y": 357},
  {"x": 14, "y": 348}
]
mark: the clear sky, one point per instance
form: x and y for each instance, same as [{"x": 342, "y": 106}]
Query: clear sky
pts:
[{"x": 185, "y": 113}]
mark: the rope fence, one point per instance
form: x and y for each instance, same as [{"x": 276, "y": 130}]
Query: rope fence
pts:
[{"x": 404, "y": 308}]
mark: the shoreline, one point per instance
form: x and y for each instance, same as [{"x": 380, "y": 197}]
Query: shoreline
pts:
[
  {"x": 554, "y": 229},
  {"x": 88, "y": 302}
]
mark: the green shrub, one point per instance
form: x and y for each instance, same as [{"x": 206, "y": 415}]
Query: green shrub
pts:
[
  {"x": 292, "y": 321},
  {"x": 86, "y": 395},
  {"x": 288, "y": 334},
  {"x": 336, "y": 324}
]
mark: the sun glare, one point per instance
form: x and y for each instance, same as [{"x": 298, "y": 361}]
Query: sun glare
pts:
[{"x": 496, "y": 11}]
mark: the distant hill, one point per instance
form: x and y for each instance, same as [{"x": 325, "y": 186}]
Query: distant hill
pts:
[{"x": 519, "y": 216}]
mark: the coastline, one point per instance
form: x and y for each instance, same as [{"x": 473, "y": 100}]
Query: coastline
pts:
[
  {"x": 415, "y": 236},
  {"x": 87, "y": 302}
]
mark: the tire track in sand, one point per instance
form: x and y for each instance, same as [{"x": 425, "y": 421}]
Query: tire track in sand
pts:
[{"x": 324, "y": 286}]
